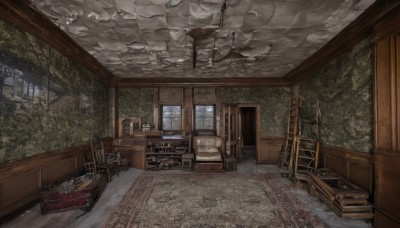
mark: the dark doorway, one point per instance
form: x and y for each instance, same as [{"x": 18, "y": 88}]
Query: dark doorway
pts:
[{"x": 248, "y": 133}]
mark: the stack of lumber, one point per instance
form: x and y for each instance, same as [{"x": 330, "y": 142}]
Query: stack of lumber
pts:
[{"x": 345, "y": 198}]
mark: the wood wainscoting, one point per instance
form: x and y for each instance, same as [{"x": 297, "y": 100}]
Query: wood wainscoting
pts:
[
  {"x": 356, "y": 166},
  {"x": 269, "y": 150},
  {"x": 387, "y": 188},
  {"x": 21, "y": 181}
]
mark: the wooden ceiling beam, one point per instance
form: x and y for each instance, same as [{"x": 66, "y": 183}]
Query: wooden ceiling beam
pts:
[
  {"x": 361, "y": 28},
  {"x": 25, "y": 16},
  {"x": 202, "y": 82}
]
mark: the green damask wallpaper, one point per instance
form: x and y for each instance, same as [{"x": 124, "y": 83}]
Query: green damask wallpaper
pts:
[
  {"x": 274, "y": 104},
  {"x": 344, "y": 89},
  {"x": 136, "y": 102},
  {"x": 47, "y": 101}
]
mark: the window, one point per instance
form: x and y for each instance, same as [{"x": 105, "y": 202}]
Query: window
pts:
[
  {"x": 171, "y": 117},
  {"x": 204, "y": 116}
]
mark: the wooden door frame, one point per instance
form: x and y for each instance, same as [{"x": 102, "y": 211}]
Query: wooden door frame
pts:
[
  {"x": 258, "y": 123},
  {"x": 222, "y": 132}
]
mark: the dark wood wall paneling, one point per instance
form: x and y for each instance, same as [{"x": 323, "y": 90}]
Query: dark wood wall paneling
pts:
[
  {"x": 269, "y": 149},
  {"x": 356, "y": 166},
  {"x": 21, "y": 181},
  {"x": 387, "y": 121}
]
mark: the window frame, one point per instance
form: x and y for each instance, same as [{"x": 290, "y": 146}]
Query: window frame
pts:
[
  {"x": 195, "y": 127},
  {"x": 162, "y": 117}
]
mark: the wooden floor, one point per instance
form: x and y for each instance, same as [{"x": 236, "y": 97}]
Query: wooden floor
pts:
[{"x": 115, "y": 190}]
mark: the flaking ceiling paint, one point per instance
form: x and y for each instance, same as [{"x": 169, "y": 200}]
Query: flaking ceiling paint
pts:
[{"x": 232, "y": 38}]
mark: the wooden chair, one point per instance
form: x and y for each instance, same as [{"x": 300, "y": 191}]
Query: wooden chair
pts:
[
  {"x": 99, "y": 159},
  {"x": 90, "y": 168}
]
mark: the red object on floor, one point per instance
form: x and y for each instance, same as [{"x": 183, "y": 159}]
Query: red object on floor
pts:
[{"x": 84, "y": 198}]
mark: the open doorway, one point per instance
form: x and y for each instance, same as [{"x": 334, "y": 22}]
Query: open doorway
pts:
[{"x": 248, "y": 122}]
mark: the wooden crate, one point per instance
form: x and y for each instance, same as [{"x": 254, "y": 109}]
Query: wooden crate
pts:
[
  {"x": 206, "y": 167},
  {"x": 345, "y": 198}
]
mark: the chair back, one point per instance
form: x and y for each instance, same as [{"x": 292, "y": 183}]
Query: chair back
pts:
[
  {"x": 90, "y": 168},
  {"x": 98, "y": 154},
  {"x": 209, "y": 140}
]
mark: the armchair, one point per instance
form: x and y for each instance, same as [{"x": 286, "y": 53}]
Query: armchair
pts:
[{"x": 207, "y": 148}]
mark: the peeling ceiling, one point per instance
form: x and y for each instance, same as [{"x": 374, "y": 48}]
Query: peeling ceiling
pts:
[{"x": 201, "y": 38}]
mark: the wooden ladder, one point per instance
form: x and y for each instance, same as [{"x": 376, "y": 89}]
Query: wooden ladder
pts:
[{"x": 287, "y": 154}]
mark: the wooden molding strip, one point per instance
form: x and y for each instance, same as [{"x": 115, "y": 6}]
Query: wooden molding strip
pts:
[
  {"x": 347, "y": 154},
  {"x": 361, "y": 28},
  {"x": 25, "y": 16},
  {"x": 203, "y": 82}
]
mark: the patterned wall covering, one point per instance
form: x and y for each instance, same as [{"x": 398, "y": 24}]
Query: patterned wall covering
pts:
[
  {"x": 344, "y": 89},
  {"x": 274, "y": 104},
  {"x": 47, "y": 101},
  {"x": 135, "y": 102}
]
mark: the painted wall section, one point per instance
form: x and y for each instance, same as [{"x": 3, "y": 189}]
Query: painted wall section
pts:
[
  {"x": 344, "y": 88},
  {"x": 135, "y": 102},
  {"x": 274, "y": 103},
  {"x": 47, "y": 101}
]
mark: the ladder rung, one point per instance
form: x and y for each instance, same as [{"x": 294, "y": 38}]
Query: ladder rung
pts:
[
  {"x": 304, "y": 149},
  {"x": 305, "y": 166},
  {"x": 307, "y": 157}
]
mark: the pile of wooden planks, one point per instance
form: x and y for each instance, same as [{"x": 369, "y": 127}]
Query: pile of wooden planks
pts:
[{"x": 345, "y": 198}]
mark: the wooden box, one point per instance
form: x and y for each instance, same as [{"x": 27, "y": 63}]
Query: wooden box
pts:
[{"x": 84, "y": 196}]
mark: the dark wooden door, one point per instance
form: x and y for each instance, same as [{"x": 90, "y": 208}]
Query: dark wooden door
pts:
[{"x": 248, "y": 126}]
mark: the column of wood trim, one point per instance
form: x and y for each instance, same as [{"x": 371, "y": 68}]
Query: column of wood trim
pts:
[
  {"x": 383, "y": 95},
  {"x": 397, "y": 86},
  {"x": 218, "y": 109},
  {"x": 156, "y": 108},
  {"x": 116, "y": 120},
  {"x": 393, "y": 95},
  {"x": 188, "y": 109}
]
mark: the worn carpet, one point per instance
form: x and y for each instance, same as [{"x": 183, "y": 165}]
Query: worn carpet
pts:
[{"x": 210, "y": 200}]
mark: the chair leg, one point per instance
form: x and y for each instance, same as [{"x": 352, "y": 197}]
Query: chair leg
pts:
[{"x": 109, "y": 175}]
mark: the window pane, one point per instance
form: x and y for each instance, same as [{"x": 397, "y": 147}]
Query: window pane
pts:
[
  {"x": 199, "y": 123},
  {"x": 204, "y": 117},
  {"x": 208, "y": 123},
  {"x": 176, "y": 124},
  {"x": 167, "y": 111},
  {"x": 166, "y": 123},
  {"x": 176, "y": 111},
  {"x": 171, "y": 117},
  {"x": 209, "y": 111}
]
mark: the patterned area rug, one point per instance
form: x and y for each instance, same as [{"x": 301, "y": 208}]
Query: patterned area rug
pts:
[{"x": 210, "y": 200}]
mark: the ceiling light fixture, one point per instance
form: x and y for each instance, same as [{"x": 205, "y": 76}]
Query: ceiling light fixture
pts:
[{"x": 221, "y": 17}]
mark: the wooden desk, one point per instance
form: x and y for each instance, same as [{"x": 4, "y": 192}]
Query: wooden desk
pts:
[{"x": 137, "y": 149}]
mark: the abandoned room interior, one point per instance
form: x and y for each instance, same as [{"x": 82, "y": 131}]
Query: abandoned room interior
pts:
[{"x": 199, "y": 113}]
